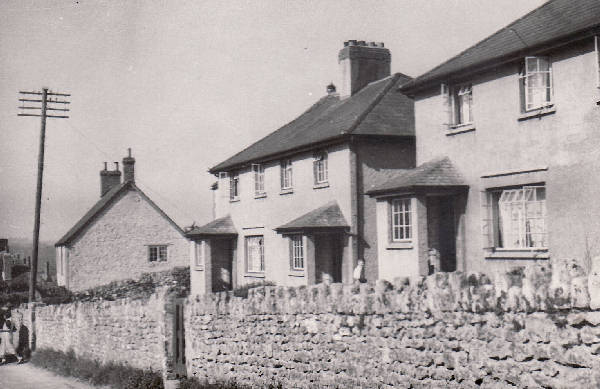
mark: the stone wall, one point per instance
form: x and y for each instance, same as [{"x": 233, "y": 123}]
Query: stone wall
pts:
[{"x": 527, "y": 328}]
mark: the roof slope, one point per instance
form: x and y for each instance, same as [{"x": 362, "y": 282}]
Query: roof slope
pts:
[
  {"x": 550, "y": 22},
  {"x": 327, "y": 216},
  {"x": 374, "y": 110},
  {"x": 436, "y": 173},
  {"x": 221, "y": 226},
  {"x": 105, "y": 201}
]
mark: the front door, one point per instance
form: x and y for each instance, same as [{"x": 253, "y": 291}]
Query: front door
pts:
[
  {"x": 179, "y": 340},
  {"x": 447, "y": 233},
  {"x": 328, "y": 257},
  {"x": 222, "y": 258}
]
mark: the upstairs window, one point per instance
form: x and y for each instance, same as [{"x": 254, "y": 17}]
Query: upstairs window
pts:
[
  {"x": 157, "y": 253},
  {"x": 286, "y": 174},
  {"x": 297, "y": 252},
  {"x": 200, "y": 253},
  {"x": 462, "y": 105},
  {"x": 259, "y": 179},
  {"x": 401, "y": 220},
  {"x": 234, "y": 186},
  {"x": 255, "y": 254},
  {"x": 320, "y": 168},
  {"x": 536, "y": 83}
]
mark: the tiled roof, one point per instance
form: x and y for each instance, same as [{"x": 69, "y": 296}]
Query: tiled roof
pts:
[
  {"x": 374, "y": 110},
  {"x": 437, "y": 173},
  {"x": 327, "y": 216},
  {"x": 221, "y": 226},
  {"x": 104, "y": 202},
  {"x": 549, "y": 23}
]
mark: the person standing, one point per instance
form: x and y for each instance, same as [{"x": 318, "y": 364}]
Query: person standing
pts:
[{"x": 6, "y": 334}]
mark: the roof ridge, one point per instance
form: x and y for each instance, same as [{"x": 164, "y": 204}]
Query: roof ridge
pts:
[
  {"x": 414, "y": 80},
  {"x": 392, "y": 81}
]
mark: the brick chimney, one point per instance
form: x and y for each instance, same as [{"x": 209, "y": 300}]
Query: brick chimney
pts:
[
  {"x": 362, "y": 63},
  {"x": 109, "y": 178},
  {"x": 129, "y": 167}
]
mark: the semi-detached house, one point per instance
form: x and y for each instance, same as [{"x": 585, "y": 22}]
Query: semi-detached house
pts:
[
  {"x": 507, "y": 148},
  {"x": 291, "y": 208}
]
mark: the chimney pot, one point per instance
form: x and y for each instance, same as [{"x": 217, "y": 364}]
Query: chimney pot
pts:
[
  {"x": 352, "y": 42},
  {"x": 109, "y": 179},
  {"x": 129, "y": 167},
  {"x": 345, "y": 43},
  {"x": 362, "y": 43},
  {"x": 105, "y": 165},
  {"x": 116, "y": 166}
]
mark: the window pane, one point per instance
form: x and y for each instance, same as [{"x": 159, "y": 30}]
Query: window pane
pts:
[{"x": 531, "y": 64}]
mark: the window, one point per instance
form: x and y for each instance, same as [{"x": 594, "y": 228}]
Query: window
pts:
[
  {"x": 597, "y": 50},
  {"x": 536, "y": 83},
  {"x": 462, "y": 103},
  {"x": 200, "y": 253},
  {"x": 157, "y": 253},
  {"x": 234, "y": 186},
  {"x": 517, "y": 217},
  {"x": 320, "y": 167},
  {"x": 255, "y": 254},
  {"x": 259, "y": 179},
  {"x": 297, "y": 252},
  {"x": 401, "y": 228},
  {"x": 286, "y": 174}
]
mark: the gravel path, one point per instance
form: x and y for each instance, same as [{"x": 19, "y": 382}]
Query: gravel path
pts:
[{"x": 27, "y": 376}]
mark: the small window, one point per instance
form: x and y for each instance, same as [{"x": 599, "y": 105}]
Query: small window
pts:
[
  {"x": 255, "y": 254},
  {"x": 259, "y": 179},
  {"x": 297, "y": 252},
  {"x": 234, "y": 186},
  {"x": 200, "y": 253},
  {"x": 157, "y": 253},
  {"x": 286, "y": 174},
  {"x": 536, "y": 83},
  {"x": 518, "y": 217},
  {"x": 462, "y": 105},
  {"x": 320, "y": 167},
  {"x": 401, "y": 220}
]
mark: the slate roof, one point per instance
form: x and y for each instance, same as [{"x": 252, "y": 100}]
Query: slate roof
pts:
[
  {"x": 550, "y": 23},
  {"x": 327, "y": 216},
  {"x": 105, "y": 201},
  {"x": 437, "y": 173},
  {"x": 374, "y": 110},
  {"x": 217, "y": 227}
]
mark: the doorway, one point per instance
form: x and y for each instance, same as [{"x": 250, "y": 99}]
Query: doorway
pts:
[
  {"x": 441, "y": 230},
  {"x": 328, "y": 257},
  {"x": 222, "y": 265}
]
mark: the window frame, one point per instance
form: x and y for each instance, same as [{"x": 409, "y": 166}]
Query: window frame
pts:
[
  {"x": 321, "y": 167},
  {"x": 457, "y": 102},
  {"x": 547, "y": 89},
  {"x": 200, "y": 255},
  {"x": 258, "y": 172},
  {"x": 234, "y": 186},
  {"x": 158, "y": 253},
  {"x": 297, "y": 252},
  {"x": 286, "y": 174},
  {"x": 407, "y": 224},
  {"x": 261, "y": 245}
]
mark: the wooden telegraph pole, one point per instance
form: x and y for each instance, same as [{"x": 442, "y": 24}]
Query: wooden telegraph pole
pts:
[{"x": 46, "y": 105}]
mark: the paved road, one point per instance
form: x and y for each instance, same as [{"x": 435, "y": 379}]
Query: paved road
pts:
[{"x": 27, "y": 376}]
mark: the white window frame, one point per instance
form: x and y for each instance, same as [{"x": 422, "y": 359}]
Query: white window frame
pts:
[
  {"x": 200, "y": 257},
  {"x": 461, "y": 98},
  {"x": 255, "y": 245},
  {"x": 519, "y": 218},
  {"x": 321, "y": 168},
  {"x": 529, "y": 77},
  {"x": 234, "y": 186},
  {"x": 258, "y": 170},
  {"x": 286, "y": 174},
  {"x": 401, "y": 220},
  {"x": 158, "y": 253},
  {"x": 297, "y": 252}
]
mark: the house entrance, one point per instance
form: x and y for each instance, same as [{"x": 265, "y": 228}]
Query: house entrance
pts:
[
  {"x": 328, "y": 257},
  {"x": 222, "y": 265},
  {"x": 179, "y": 340},
  {"x": 441, "y": 231}
]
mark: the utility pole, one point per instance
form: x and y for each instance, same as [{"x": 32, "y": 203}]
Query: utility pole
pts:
[{"x": 45, "y": 98}]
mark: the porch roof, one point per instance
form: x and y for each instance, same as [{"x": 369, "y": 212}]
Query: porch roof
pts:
[
  {"x": 218, "y": 227},
  {"x": 436, "y": 174},
  {"x": 329, "y": 216}
]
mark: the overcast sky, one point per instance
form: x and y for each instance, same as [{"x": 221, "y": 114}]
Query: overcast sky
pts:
[{"x": 186, "y": 84}]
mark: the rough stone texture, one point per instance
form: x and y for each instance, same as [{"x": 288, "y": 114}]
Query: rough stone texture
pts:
[
  {"x": 446, "y": 330},
  {"x": 115, "y": 246}
]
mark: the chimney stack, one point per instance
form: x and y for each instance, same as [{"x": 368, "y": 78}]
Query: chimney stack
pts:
[
  {"x": 361, "y": 63},
  {"x": 129, "y": 167},
  {"x": 109, "y": 179}
]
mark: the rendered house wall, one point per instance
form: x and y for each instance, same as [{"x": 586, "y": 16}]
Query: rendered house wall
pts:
[{"x": 564, "y": 142}]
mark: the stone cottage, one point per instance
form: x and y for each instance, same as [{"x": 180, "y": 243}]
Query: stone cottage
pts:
[
  {"x": 508, "y": 155},
  {"x": 122, "y": 236},
  {"x": 291, "y": 208}
]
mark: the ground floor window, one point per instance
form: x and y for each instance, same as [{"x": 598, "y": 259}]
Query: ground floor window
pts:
[
  {"x": 255, "y": 254},
  {"x": 157, "y": 253},
  {"x": 517, "y": 217},
  {"x": 401, "y": 220},
  {"x": 297, "y": 252},
  {"x": 200, "y": 253}
]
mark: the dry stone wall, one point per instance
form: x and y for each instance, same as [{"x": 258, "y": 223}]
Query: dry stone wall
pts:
[{"x": 528, "y": 328}]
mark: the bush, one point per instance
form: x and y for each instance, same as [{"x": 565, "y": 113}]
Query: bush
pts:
[
  {"x": 242, "y": 291},
  {"x": 117, "y": 376}
]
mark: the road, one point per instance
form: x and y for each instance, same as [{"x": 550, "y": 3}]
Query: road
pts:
[{"x": 27, "y": 376}]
